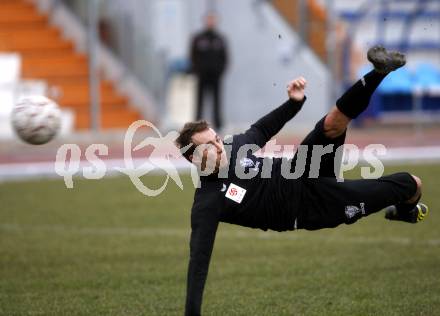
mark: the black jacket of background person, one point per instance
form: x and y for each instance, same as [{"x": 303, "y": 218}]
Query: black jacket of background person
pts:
[
  {"x": 209, "y": 56},
  {"x": 267, "y": 203}
]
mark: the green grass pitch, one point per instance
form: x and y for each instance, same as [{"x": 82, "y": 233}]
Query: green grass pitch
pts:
[{"x": 102, "y": 248}]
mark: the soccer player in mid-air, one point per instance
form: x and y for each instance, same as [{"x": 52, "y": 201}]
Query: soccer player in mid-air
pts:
[{"x": 283, "y": 204}]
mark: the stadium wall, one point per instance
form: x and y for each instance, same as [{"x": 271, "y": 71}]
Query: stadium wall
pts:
[{"x": 265, "y": 54}]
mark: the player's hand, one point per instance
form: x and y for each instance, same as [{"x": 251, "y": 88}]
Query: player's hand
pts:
[{"x": 295, "y": 88}]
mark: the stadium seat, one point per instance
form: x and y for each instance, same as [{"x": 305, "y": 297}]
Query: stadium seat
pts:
[
  {"x": 427, "y": 75},
  {"x": 399, "y": 81},
  {"x": 47, "y": 56},
  {"x": 316, "y": 37},
  {"x": 396, "y": 91},
  {"x": 12, "y": 88}
]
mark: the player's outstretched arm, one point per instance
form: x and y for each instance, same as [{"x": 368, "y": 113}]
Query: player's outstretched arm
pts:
[
  {"x": 204, "y": 223},
  {"x": 269, "y": 125}
]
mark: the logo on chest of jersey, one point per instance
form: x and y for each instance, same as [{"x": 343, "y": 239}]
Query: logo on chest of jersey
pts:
[{"x": 235, "y": 193}]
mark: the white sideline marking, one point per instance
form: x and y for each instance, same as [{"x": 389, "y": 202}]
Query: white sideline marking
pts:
[
  {"x": 185, "y": 233},
  {"x": 36, "y": 170}
]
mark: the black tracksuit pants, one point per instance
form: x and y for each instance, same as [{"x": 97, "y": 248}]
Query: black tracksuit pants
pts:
[
  {"x": 210, "y": 85},
  {"x": 327, "y": 202}
]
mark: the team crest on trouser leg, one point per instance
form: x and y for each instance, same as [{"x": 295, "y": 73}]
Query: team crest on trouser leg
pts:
[{"x": 353, "y": 212}]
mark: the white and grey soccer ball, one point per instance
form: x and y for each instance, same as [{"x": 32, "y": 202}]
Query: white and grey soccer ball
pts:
[{"x": 36, "y": 119}]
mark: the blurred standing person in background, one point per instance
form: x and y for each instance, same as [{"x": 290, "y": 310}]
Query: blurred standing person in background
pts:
[{"x": 209, "y": 59}]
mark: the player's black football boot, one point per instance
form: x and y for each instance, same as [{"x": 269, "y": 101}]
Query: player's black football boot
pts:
[
  {"x": 385, "y": 61},
  {"x": 417, "y": 214}
]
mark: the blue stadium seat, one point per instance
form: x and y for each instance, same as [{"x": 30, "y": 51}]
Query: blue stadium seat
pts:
[
  {"x": 426, "y": 76},
  {"x": 396, "y": 91},
  {"x": 393, "y": 94},
  {"x": 399, "y": 81}
]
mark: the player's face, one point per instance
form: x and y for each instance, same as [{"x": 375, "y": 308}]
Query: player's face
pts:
[{"x": 211, "y": 155}]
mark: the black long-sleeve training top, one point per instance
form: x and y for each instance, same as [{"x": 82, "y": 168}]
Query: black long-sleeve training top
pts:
[
  {"x": 209, "y": 54},
  {"x": 259, "y": 202}
]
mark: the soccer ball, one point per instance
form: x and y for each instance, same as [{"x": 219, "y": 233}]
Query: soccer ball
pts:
[{"x": 36, "y": 119}]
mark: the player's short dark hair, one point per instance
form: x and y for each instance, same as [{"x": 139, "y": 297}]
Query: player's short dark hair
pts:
[{"x": 186, "y": 134}]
